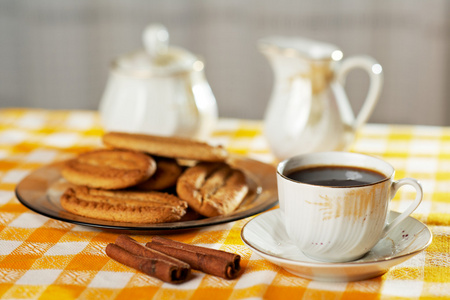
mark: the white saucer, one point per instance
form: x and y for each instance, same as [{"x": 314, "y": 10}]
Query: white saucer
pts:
[{"x": 266, "y": 235}]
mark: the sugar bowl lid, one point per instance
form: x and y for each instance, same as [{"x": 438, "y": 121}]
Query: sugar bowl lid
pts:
[{"x": 157, "y": 58}]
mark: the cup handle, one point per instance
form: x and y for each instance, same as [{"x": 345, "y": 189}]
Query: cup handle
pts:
[
  {"x": 419, "y": 195},
  {"x": 375, "y": 72}
]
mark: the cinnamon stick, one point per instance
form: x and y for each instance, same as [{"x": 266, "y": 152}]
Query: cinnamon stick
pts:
[
  {"x": 211, "y": 261},
  {"x": 156, "y": 264}
]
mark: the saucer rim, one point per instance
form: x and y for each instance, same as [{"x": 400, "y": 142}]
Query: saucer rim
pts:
[{"x": 334, "y": 264}]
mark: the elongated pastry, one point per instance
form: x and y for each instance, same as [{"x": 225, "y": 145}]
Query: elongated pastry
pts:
[
  {"x": 123, "y": 206},
  {"x": 173, "y": 147}
]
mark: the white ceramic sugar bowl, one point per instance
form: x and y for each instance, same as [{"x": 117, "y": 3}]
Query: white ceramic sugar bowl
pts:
[{"x": 161, "y": 90}]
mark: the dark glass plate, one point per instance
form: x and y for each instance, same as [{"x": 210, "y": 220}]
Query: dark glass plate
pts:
[{"x": 40, "y": 191}]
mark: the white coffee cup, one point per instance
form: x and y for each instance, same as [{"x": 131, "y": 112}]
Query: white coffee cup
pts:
[{"x": 339, "y": 223}]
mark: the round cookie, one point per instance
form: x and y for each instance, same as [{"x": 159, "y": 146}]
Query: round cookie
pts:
[
  {"x": 109, "y": 169},
  {"x": 123, "y": 206},
  {"x": 166, "y": 175},
  {"x": 173, "y": 147}
]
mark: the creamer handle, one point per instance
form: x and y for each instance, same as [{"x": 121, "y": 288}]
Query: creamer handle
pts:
[{"x": 375, "y": 72}]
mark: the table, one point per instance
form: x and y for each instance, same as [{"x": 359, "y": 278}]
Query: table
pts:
[{"x": 42, "y": 258}]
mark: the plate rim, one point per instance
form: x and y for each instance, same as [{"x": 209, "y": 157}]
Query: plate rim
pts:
[
  {"x": 271, "y": 201},
  {"x": 320, "y": 264}
]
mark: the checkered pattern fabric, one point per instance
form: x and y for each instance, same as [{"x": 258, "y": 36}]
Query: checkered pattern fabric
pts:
[{"x": 42, "y": 258}]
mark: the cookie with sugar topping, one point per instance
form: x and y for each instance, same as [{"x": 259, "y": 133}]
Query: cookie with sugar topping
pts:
[{"x": 212, "y": 189}]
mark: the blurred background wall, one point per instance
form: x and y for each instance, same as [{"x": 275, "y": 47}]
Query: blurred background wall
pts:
[{"x": 56, "y": 54}]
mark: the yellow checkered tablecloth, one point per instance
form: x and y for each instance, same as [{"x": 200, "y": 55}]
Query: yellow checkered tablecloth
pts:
[{"x": 42, "y": 258}]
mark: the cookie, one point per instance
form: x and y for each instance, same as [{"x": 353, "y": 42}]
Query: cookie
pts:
[
  {"x": 123, "y": 206},
  {"x": 166, "y": 175},
  {"x": 109, "y": 169},
  {"x": 212, "y": 189},
  {"x": 173, "y": 147}
]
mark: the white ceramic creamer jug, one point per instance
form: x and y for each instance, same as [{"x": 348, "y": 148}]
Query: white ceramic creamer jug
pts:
[
  {"x": 308, "y": 110},
  {"x": 161, "y": 90}
]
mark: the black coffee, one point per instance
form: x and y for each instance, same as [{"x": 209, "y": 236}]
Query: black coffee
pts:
[{"x": 336, "y": 176}]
